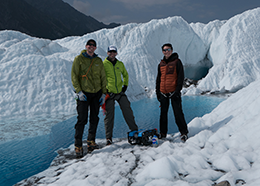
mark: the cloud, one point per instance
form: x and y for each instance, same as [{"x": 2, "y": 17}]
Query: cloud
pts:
[
  {"x": 139, "y": 4},
  {"x": 83, "y": 7}
]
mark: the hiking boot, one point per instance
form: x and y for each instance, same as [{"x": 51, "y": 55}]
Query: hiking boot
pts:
[
  {"x": 162, "y": 135},
  {"x": 92, "y": 145},
  {"x": 79, "y": 152},
  {"x": 184, "y": 137},
  {"x": 109, "y": 141}
]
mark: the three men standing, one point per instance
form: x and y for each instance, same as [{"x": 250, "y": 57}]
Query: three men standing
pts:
[{"x": 91, "y": 78}]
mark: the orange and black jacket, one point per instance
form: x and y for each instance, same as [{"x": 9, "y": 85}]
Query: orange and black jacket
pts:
[{"x": 170, "y": 75}]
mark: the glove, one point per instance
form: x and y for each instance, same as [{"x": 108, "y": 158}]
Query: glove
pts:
[
  {"x": 111, "y": 95},
  {"x": 158, "y": 94},
  {"x": 82, "y": 96},
  {"x": 102, "y": 99},
  {"x": 124, "y": 88}
]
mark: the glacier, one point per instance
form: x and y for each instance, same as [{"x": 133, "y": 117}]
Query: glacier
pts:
[
  {"x": 223, "y": 145},
  {"x": 36, "y": 71}
]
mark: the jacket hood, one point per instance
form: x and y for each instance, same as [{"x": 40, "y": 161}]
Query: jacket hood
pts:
[
  {"x": 171, "y": 58},
  {"x": 85, "y": 54}
]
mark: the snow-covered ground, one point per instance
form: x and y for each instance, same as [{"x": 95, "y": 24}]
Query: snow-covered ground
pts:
[
  {"x": 223, "y": 145},
  {"x": 35, "y": 85}
]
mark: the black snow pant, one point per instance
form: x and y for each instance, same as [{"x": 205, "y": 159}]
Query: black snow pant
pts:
[
  {"x": 82, "y": 109},
  {"x": 178, "y": 113}
]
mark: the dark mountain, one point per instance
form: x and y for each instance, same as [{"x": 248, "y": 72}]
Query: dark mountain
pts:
[{"x": 50, "y": 19}]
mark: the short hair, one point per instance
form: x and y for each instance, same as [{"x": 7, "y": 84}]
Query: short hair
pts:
[
  {"x": 168, "y": 45},
  {"x": 91, "y": 41}
]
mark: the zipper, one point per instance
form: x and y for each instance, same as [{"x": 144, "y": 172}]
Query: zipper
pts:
[
  {"x": 115, "y": 78},
  {"x": 165, "y": 78}
]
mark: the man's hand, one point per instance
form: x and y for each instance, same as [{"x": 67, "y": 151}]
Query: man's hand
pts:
[
  {"x": 102, "y": 99},
  {"x": 111, "y": 95},
  {"x": 124, "y": 88},
  {"x": 158, "y": 94},
  {"x": 82, "y": 96}
]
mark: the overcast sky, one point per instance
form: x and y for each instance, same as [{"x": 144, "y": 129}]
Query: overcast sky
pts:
[{"x": 142, "y": 11}]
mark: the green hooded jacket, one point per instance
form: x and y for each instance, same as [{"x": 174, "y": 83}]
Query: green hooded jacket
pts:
[
  {"x": 86, "y": 78},
  {"x": 114, "y": 75}
]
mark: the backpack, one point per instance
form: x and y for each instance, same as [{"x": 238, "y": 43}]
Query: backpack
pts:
[{"x": 141, "y": 137}]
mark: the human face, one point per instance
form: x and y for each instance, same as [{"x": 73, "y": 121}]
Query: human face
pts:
[
  {"x": 112, "y": 54},
  {"x": 91, "y": 47},
  {"x": 167, "y": 52}
]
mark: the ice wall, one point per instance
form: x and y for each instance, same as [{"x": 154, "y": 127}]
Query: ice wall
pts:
[
  {"x": 234, "y": 52},
  {"x": 35, "y": 73},
  {"x": 139, "y": 47}
]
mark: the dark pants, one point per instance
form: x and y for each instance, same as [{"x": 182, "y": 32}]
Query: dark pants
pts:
[
  {"x": 126, "y": 110},
  {"x": 178, "y": 114},
  {"x": 82, "y": 109}
]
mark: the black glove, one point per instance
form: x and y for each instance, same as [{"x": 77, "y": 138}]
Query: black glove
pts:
[
  {"x": 158, "y": 94},
  {"x": 124, "y": 88},
  {"x": 111, "y": 95}
]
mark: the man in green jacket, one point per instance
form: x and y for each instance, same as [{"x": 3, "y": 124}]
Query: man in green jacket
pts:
[
  {"x": 89, "y": 80},
  {"x": 116, "y": 88}
]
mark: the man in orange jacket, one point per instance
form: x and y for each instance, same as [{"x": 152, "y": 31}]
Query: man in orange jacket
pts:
[{"x": 169, "y": 83}]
